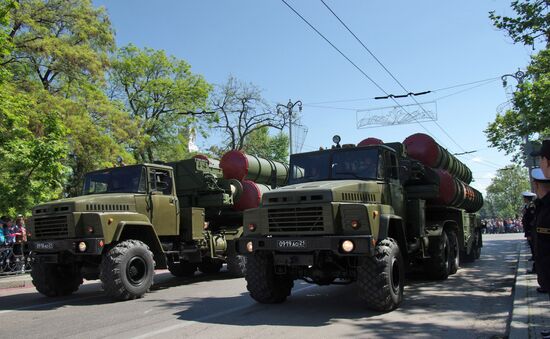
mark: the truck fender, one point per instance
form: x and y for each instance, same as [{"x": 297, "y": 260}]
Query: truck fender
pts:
[
  {"x": 145, "y": 232},
  {"x": 391, "y": 226}
]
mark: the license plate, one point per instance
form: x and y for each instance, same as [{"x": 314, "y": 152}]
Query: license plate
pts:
[
  {"x": 44, "y": 245},
  {"x": 291, "y": 244}
]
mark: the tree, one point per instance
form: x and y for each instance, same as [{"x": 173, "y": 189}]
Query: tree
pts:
[
  {"x": 5, "y": 45},
  {"x": 32, "y": 149},
  {"x": 260, "y": 143},
  {"x": 58, "y": 60},
  {"x": 159, "y": 92},
  {"x": 530, "y": 115},
  {"x": 59, "y": 42},
  {"x": 504, "y": 193},
  {"x": 242, "y": 110},
  {"x": 31, "y": 139},
  {"x": 98, "y": 132},
  {"x": 531, "y": 24}
]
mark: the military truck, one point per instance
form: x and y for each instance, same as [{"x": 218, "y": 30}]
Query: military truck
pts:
[
  {"x": 133, "y": 219},
  {"x": 365, "y": 215}
]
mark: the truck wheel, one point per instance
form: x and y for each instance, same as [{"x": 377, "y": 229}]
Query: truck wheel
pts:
[
  {"x": 475, "y": 251},
  {"x": 454, "y": 259},
  {"x": 182, "y": 269},
  {"x": 127, "y": 270},
  {"x": 55, "y": 280},
  {"x": 264, "y": 285},
  {"x": 236, "y": 265},
  {"x": 381, "y": 278},
  {"x": 210, "y": 266},
  {"x": 438, "y": 266},
  {"x": 479, "y": 244}
]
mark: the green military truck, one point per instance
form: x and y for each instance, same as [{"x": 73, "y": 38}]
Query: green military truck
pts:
[
  {"x": 133, "y": 219},
  {"x": 366, "y": 215}
]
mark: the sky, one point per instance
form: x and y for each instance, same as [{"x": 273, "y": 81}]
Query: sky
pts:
[{"x": 427, "y": 45}]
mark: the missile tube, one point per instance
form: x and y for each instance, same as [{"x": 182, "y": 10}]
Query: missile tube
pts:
[
  {"x": 241, "y": 166},
  {"x": 453, "y": 192},
  {"x": 251, "y": 195},
  {"x": 422, "y": 147}
]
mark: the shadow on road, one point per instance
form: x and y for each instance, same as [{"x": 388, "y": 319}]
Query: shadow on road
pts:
[
  {"x": 91, "y": 293},
  {"x": 480, "y": 291}
]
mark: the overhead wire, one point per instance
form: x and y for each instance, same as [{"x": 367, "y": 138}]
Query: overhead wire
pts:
[
  {"x": 466, "y": 84},
  {"x": 484, "y": 81},
  {"x": 351, "y": 62},
  {"x": 465, "y": 90},
  {"x": 390, "y": 73}
]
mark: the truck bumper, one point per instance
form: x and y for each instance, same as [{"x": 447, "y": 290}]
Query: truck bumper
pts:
[
  {"x": 52, "y": 250},
  {"x": 363, "y": 245}
]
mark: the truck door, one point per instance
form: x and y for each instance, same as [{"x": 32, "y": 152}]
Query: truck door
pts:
[
  {"x": 164, "y": 202},
  {"x": 396, "y": 189}
]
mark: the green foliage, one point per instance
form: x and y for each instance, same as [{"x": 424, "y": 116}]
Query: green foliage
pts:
[
  {"x": 159, "y": 92},
  {"x": 531, "y": 113},
  {"x": 503, "y": 198},
  {"x": 531, "y": 24},
  {"x": 260, "y": 143},
  {"x": 59, "y": 42},
  {"x": 98, "y": 132},
  {"x": 5, "y": 42},
  {"x": 32, "y": 148}
]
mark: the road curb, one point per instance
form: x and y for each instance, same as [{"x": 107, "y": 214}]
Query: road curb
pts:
[
  {"x": 18, "y": 281},
  {"x": 519, "y": 326},
  {"x": 530, "y": 307}
]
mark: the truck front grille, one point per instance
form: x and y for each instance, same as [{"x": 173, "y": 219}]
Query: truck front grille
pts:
[
  {"x": 51, "y": 227},
  {"x": 296, "y": 219}
]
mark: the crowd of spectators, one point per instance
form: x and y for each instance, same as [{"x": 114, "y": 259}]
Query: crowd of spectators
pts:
[
  {"x": 12, "y": 232},
  {"x": 503, "y": 225}
]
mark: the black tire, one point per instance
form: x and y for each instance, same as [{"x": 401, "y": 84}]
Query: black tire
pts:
[
  {"x": 264, "y": 285},
  {"x": 236, "y": 265},
  {"x": 475, "y": 251},
  {"x": 182, "y": 269},
  {"x": 55, "y": 280},
  {"x": 381, "y": 278},
  {"x": 479, "y": 245},
  {"x": 438, "y": 266},
  {"x": 210, "y": 266},
  {"x": 127, "y": 270},
  {"x": 454, "y": 259}
]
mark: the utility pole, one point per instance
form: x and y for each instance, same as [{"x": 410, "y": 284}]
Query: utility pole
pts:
[
  {"x": 520, "y": 76},
  {"x": 289, "y": 107}
]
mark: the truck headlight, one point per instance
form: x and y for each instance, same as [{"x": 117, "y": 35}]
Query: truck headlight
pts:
[
  {"x": 347, "y": 246},
  {"x": 250, "y": 246},
  {"x": 82, "y": 246}
]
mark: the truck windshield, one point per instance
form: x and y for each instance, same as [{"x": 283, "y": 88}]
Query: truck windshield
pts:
[
  {"x": 131, "y": 179},
  {"x": 353, "y": 163}
]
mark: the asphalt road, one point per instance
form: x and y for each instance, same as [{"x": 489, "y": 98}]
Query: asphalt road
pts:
[{"x": 474, "y": 303}]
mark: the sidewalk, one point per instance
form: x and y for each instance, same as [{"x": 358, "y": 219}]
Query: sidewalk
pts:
[
  {"x": 16, "y": 281},
  {"x": 531, "y": 312}
]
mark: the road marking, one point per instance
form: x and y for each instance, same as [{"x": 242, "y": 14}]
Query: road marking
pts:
[
  {"x": 201, "y": 319},
  {"x": 48, "y": 304}
]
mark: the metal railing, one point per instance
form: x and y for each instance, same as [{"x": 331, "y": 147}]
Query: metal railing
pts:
[{"x": 14, "y": 260}]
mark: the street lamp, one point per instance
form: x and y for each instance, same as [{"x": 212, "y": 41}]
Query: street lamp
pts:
[
  {"x": 289, "y": 107},
  {"x": 520, "y": 76}
]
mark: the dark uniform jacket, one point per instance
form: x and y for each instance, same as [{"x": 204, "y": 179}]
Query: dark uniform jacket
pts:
[
  {"x": 528, "y": 218},
  {"x": 542, "y": 227}
]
